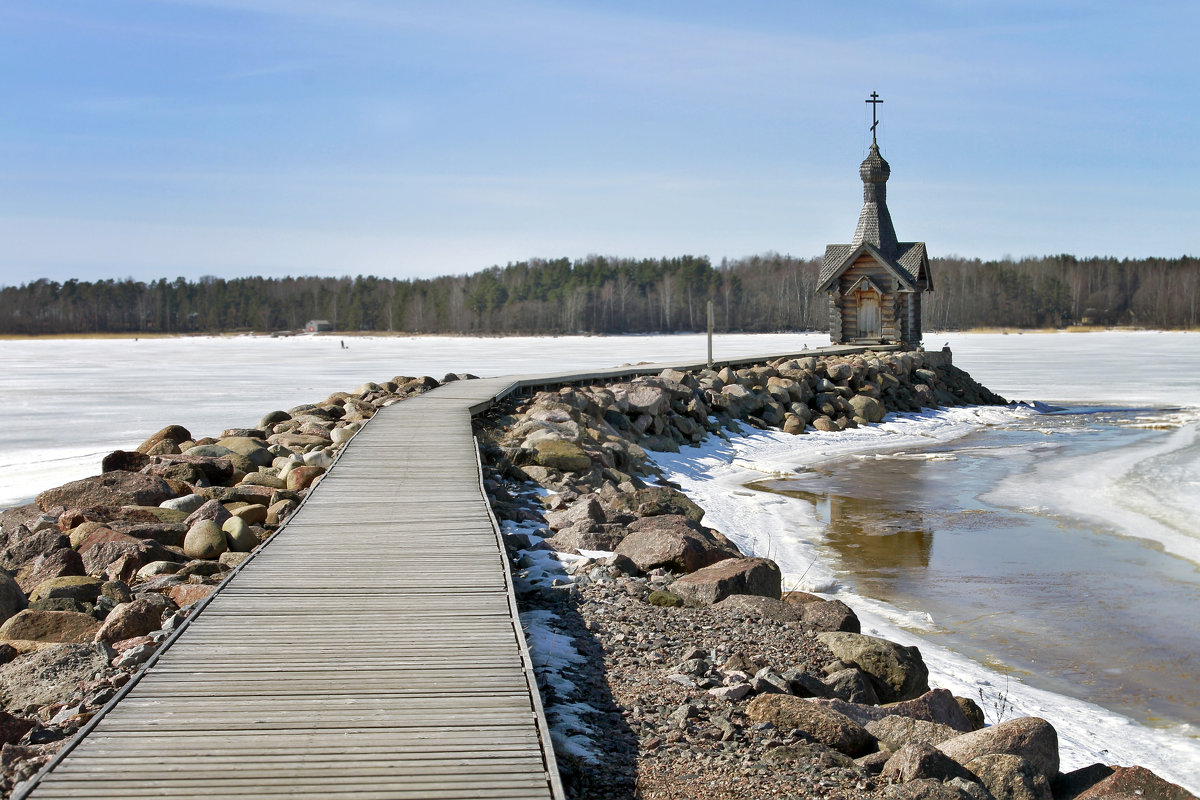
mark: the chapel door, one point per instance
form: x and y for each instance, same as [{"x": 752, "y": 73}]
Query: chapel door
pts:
[{"x": 869, "y": 326}]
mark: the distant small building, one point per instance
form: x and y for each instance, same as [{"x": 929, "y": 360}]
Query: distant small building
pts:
[
  {"x": 318, "y": 325},
  {"x": 875, "y": 282}
]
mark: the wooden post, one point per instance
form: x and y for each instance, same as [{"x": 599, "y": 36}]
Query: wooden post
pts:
[{"x": 710, "y": 329}]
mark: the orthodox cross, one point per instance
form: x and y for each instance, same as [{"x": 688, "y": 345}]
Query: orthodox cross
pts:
[{"x": 874, "y": 101}]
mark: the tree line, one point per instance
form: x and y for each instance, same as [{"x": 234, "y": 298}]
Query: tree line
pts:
[{"x": 601, "y": 295}]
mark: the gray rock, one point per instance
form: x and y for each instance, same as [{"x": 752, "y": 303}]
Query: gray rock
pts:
[
  {"x": 868, "y": 408},
  {"x": 205, "y": 540},
  {"x": 1010, "y": 777},
  {"x": 240, "y": 538},
  {"x": 49, "y": 626},
  {"x": 49, "y": 674},
  {"x": 813, "y": 753},
  {"x": 732, "y": 576},
  {"x": 187, "y": 504},
  {"x": 936, "y": 705},
  {"x": 1069, "y": 785},
  {"x": 28, "y": 546},
  {"x": 1135, "y": 782},
  {"x": 929, "y": 789},
  {"x": 209, "y": 451},
  {"x": 587, "y": 509},
  {"x": 826, "y": 726},
  {"x": 82, "y": 588},
  {"x": 853, "y": 686},
  {"x": 898, "y": 671},
  {"x": 673, "y": 542},
  {"x": 894, "y": 732},
  {"x": 136, "y": 618},
  {"x": 12, "y": 599},
  {"x": 917, "y": 760},
  {"x": 213, "y": 509},
  {"x": 116, "y": 488},
  {"x": 830, "y": 615},
  {"x": 136, "y": 656},
  {"x": 1032, "y": 738}
]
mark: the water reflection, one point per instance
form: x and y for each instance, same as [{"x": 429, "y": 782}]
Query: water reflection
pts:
[{"x": 869, "y": 536}]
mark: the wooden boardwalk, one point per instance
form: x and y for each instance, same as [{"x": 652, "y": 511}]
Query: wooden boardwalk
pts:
[{"x": 371, "y": 649}]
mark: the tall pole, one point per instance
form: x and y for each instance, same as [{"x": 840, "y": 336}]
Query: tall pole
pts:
[{"x": 710, "y": 329}]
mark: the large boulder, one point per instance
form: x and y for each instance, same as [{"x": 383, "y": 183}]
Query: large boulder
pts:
[
  {"x": 12, "y": 599},
  {"x": 49, "y": 674},
  {"x": 117, "y": 488},
  {"x": 1135, "y": 782},
  {"x": 644, "y": 398},
  {"x": 732, "y": 576},
  {"x": 917, "y": 760},
  {"x": 136, "y": 618},
  {"x": 854, "y": 686},
  {"x": 165, "y": 441},
  {"x": 561, "y": 455},
  {"x": 898, "y": 671},
  {"x": 81, "y": 588},
  {"x": 655, "y": 501},
  {"x": 213, "y": 510},
  {"x": 936, "y": 705},
  {"x": 239, "y": 535},
  {"x": 1009, "y": 777},
  {"x": 102, "y": 548},
  {"x": 586, "y": 509},
  {"x": 673, "y": 542},
  {"x": 49, "y": 626},
  {"x": 300, "y": 478},
  {"x": 1032, "y": 738},
  {"x": 587, "y": 536},
  {"x": 830, "y": 615},
  {"x": 253, "y": 449},
  {"x": 60, "y": 563},
  {"x": 215, "y": 469},
  {"x": 825, "y": 725},
  {"x": 867, "y": 407},
  {"x": 28, "y": 546},
  {"x": 205, "y": 540},
  {"x": 894, "y": 732},
  {"x": 126, "y": 460}
]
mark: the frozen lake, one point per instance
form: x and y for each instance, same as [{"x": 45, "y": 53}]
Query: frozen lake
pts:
[{"x": 1122, "y": 467}]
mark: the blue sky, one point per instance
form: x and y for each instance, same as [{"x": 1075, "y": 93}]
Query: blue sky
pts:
[{"x": 163, "y": 138}]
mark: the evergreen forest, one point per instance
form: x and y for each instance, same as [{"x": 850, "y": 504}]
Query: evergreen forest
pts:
[{"x": 612, "y": 295}]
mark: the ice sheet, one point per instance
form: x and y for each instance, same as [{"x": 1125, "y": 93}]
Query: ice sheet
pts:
[{"x": 68, "y": 402}]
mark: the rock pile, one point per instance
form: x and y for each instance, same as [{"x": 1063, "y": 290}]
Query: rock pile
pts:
[
  {"x": 702, "y": 677},
  {"x": 96, "y": 573}
]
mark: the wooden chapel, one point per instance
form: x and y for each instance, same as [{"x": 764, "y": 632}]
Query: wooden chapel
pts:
[{"x": 875, "y": 282}]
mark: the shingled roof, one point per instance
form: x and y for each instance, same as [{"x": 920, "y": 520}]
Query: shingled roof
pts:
[{"x": 876, "y": 235}]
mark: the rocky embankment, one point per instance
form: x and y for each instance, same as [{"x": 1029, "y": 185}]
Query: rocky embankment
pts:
[
  {"x": 674, "y": 666},
  {"x": 95, "y": 574}
]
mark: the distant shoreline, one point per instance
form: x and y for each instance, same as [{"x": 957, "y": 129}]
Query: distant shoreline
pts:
[{"x": 417, "y": 334}]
